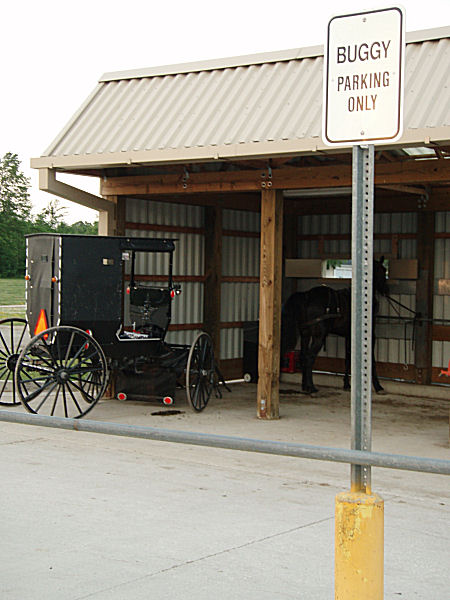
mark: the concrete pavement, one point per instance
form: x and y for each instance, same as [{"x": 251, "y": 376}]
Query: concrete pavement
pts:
[{"x": 107, "y": 518}]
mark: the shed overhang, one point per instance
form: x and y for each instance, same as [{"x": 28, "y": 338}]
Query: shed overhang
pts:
[{"x": 251, "y": 107}]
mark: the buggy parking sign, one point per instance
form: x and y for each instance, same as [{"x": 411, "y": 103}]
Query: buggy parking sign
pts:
[{"x": 363, "y": 78}]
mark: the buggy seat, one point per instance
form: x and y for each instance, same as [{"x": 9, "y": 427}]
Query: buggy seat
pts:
[{"x": 150, "y": 309}]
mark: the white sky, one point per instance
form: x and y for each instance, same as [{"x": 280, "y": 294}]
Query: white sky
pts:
[{"x": 53, "y": 52}]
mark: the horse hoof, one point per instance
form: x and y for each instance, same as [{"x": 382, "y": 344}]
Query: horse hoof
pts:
[
  {"x": 381, "y": 392},
  {"x": 312, "y": 390},
  {"x": 347, "y": 388}
]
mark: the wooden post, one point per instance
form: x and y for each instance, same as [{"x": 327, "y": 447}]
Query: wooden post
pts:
[
  {"x": 424, "y": 295},
  {"x": 213, "y": 275},
  {"x": 107, "y": 219},
  {"x": 270, "y": 303}
]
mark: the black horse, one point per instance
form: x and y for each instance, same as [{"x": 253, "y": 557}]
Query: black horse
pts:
[{"x": 314, "y": 314}]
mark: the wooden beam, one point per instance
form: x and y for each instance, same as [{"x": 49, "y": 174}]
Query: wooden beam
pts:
[
  {"x": 270, "y": 304},
  {"x": 409, "y": 172},
  {"x": 121, "y": 215},
  {"x": 213, "y": 275},
  {"x": 424, "y": 296},
  {"x": 441, "y": 333},
  {"x": 245, "y": 201},
  {"x": 439, "y": 200},
  {"x": 165, "y": 228}
]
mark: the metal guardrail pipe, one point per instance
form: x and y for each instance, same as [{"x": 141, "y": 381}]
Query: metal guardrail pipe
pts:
[{"x": 374, "y": 459}]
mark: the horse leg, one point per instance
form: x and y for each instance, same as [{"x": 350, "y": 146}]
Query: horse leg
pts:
[
  {"x": 311, "y": 350},
  {"x": 347, "y": 362},
  {"x": 376, "y": 384},
  {"x": 305, "y": 340}
]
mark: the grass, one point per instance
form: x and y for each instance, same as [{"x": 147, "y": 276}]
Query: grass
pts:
[{"x": 12, "y": 292}]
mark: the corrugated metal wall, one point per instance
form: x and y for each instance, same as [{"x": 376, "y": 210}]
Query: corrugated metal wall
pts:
[
  {"x": 395, "y": 336},
  {"x": 394, "y": 340},
  {"x": 240, "y": 258},
  {"x": 240, "y": 299},
  {"x": 441, "y": 308}
]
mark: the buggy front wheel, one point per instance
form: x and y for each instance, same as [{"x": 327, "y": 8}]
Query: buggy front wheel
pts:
[
  {"x": 200, "y": 372},
  {"x": 61, "y": 372},
  {"x": 12, "y": 340}
]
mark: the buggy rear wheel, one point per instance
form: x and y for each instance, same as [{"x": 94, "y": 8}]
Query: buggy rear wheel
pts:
[
  {"x": 12, "y": 340},
  {"x": 61, "y": 372},
  {"x": 200, "y": 372}
]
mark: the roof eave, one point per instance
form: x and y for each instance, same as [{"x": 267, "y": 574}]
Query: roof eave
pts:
[{"x": 259, "y": 150}]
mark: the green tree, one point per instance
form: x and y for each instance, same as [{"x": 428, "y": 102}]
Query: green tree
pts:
[
  {"x": 15, "y": 215},
  {"x": 82, "y": 228},
  {"x": 14, "y": 196},
  {"x": 51, "y": 217}
]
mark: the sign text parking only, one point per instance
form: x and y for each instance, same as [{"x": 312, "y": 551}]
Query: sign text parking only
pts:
[{"x": 363, "y": 73}]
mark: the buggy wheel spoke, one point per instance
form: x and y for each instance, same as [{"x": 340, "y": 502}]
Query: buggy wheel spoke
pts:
[
  {"x": 8, "y": 352},
  {"x": 78, "y": 353},
  {"x": 85, "y": 370},
  {"x": 19, "y": 343},
  {"x": 48, "y": 361},
  {"x": 4, "y": 386},
  {"x": 80, "y": 389},
  {"x": 30, "y": 379},
  {"x": 39, "y": 390},
  {"x": 12, "y": 332},
  {"x": 33, "y": 367},
  {"x": 49, "y": 350},
  {"x": 69, "y": 347},
  {"x": 64, "y": 401},
  {"x": 46, "y": 396},
  {"x": 74, "y": 399},
  {"x": 11, "y": 336},
  {"x": 52, "y": 412}
]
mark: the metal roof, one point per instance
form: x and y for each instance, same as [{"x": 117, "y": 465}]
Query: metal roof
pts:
[{"x": 243, "y": 107}]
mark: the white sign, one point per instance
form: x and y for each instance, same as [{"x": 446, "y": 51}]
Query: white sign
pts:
[{"x": 363, "y": 78}]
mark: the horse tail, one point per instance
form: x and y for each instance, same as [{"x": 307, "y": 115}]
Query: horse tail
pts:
[{"x": 292, "y": 314}]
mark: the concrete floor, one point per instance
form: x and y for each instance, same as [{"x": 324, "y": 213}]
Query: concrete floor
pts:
[{"x": 108, "y": 518}]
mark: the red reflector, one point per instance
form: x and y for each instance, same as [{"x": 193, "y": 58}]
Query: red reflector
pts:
[
  {"x": 41, "y": 324},
  {"x": 172, "y": 293},
  {"x": 89, "y": 332},
  {"x": 167, "y": 400},
  {"x": 121, "y": 396},
  {"x": 128, "y": 290}
]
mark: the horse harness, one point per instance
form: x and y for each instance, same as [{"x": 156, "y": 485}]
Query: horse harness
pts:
[{"x": 332, "y": 295}]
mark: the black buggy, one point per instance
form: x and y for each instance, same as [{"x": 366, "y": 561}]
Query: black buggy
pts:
[{"x": 95, "y": 324}]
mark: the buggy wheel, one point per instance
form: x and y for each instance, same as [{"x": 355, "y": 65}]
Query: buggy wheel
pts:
[
  {"x": 200, "y": 372},
  {"x": 61, "y": 372},
  {"x": 12, "y": 340}
]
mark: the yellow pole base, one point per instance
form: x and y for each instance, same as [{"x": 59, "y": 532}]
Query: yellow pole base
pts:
[{"x": 359, "y": 546}]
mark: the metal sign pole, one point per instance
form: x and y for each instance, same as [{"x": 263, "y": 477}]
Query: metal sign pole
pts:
[{"x": 361, "y": 346}]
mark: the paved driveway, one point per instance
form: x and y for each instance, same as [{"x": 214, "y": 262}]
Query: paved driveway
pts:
[{"x": 108, "y": 518}]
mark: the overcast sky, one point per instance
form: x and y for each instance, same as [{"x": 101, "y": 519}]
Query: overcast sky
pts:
[{"x": 53, "y": 52}]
